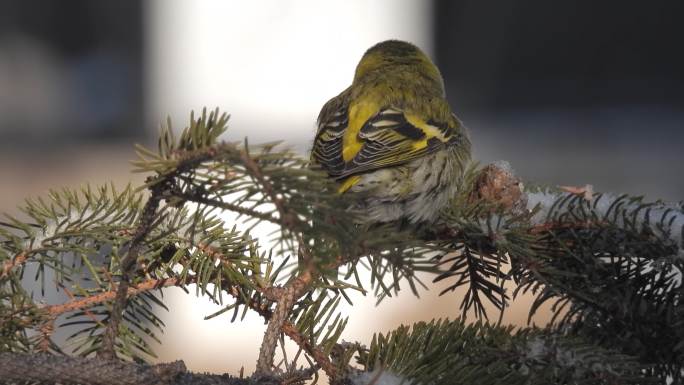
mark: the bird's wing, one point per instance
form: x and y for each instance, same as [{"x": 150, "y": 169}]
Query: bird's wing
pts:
[
  {"x": 389, "y": 137},
  {"x": 327, "y": 148}
]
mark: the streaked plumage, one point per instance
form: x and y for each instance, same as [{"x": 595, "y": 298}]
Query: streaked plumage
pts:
[{"x": 392, "y": 136}]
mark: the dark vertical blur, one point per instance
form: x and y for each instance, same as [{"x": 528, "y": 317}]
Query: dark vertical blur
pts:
[
  {"x": 571, "y": 92},
  {"x": 535, "y": 54},
  {"x": 70, "y": 71}
]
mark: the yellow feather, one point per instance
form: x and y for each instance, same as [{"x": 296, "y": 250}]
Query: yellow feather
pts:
[
  {"x": 359, "y": 113},
  {"x": 348, "y": 183},
  {"x": 429, "y": 130},
  {"x": 419, "y": 144}
]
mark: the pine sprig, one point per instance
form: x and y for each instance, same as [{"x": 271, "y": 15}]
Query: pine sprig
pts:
[
  {"x": 67, "y": 231},
  {"x": 452, "y": 352},
  {"x": 317, "y": 319},
  {"x": 612, "y": 269},
  {"x": 476, "y": 236}
]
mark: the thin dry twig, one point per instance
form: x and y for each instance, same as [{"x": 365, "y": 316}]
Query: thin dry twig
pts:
[
  {"x": 317, "y": 354},
  {"x": 7, "y": 266},
  {"x": 96, "y": 299}
]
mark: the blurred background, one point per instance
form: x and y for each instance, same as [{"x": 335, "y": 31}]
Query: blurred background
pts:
[{"x": 571, "y": 93}]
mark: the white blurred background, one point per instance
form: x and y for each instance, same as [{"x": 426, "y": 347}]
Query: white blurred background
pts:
[
  {"x": 272, "y": 64},
  {"x": 570, "y": 94}
]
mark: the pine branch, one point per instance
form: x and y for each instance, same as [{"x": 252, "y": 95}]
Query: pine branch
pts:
[
  {"x": 610, "y": 264},
  {"x": 452, "y": 353},
  {"x": 159, "y": 188},
  {"x": 149, "y": 215},
  {"x": 152, "y": 284}
]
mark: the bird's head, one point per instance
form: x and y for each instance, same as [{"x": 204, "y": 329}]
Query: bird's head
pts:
[{"x": 396, "y": 54}]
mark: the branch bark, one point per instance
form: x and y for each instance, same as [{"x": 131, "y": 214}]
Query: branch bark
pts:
[
  {"x": 51, "y": 369},
  {"x": 287, "y": 298}
]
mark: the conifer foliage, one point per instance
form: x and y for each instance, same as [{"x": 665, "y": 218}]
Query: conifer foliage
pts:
[{"x": 610, "y": 265}]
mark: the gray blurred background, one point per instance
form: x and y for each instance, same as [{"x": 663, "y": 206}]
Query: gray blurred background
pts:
[
  {"x": 571, "y": 92},
  {"x": 574, "y": 93}
]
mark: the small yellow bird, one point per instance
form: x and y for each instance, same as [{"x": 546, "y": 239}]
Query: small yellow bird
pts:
[{"x": 393, "y": 137}]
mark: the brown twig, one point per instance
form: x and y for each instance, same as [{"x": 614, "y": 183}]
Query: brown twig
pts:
[
  {"x": 318, "y": 355},
  {"x": 96, "y": 299},
  {"x": 73, "y": 298},
  {"x": 292, "y": 291},
  {"x": 287, "y": 327},
  {"x": 262, "y": 309},
  {"x": 46, "y": 329},
  {"x": 148, "y": 217},
  {"x": 7, "y": 266},
  {"x": 293, "y": 333}
]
